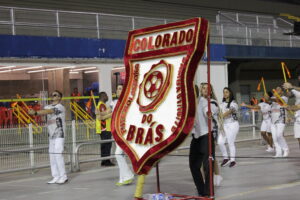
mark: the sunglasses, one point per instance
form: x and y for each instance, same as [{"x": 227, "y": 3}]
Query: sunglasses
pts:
[{"x": 55, "y": 95}]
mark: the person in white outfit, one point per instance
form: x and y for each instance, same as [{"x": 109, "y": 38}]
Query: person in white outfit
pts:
[
  {"x": 229, "y": 109},
  {"x": 56, "y": 124},
  {"x": 125, "y": 174},
  {"x": 265, "y": 128},
  {"x": 296, "y": 92},
  {"x": 278, "y": 120},
  {"x": 199, "y": 152}
]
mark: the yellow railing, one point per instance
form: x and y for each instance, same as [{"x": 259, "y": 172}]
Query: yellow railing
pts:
[
  {"x": 297, "y": 19},
  {"x": 24, "y": 118},
  {"x": 81, "y": 114}
]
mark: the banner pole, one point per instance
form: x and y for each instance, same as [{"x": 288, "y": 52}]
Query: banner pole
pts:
[
  {"x": 157, "y": 178},
  {"x": 210, "y": 156}
]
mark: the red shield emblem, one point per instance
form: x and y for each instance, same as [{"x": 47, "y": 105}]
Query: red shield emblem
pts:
[{"x": 156, "y": 109}]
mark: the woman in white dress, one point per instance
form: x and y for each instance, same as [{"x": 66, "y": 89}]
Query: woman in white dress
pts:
[{"x": 231, "y": 126}]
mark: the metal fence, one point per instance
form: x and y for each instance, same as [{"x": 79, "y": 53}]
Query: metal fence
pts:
[
  {"x": 20, "y": 149},
  {"x": 228, "y": 29}
]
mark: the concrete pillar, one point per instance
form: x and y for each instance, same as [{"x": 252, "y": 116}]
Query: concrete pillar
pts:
[
  {"x": 60, "y": 80},
  {"x": 80, "y": 86},
  {"x": 105, "y": 79},
  {"x": 218, "y": 76}
]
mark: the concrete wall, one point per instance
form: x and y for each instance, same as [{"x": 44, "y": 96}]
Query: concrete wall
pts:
[{"x": 26, "y": 88}]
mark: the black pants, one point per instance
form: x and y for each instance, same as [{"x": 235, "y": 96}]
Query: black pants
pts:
[
  {"x": 105, "y": 147},
  {"x": 199, "y": 157}
]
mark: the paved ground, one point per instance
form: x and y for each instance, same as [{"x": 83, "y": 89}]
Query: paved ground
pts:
[{"x": 254, "y": 178}]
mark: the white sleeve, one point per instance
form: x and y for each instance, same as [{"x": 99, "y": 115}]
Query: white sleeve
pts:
[
  {"x": 260, "y": 105},
  {"x": 62, "y": 108},
  {"x": 58, "y": 109},
  {"x": 214, "y": 109},
  {"x": 234, "y": 106}
]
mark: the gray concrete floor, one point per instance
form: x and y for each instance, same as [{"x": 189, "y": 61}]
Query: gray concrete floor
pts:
[{"x": 253, "y": 178}]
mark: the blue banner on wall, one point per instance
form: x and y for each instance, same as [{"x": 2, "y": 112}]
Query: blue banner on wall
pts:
[
  {"x": 261, "y": 52},
  {"x": 62, "y": 47}
]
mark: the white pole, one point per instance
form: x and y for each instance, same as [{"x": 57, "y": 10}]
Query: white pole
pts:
[
  {"x": 57, "y": 24},
  {"x": 247, "y": 42},
  {"x": 73, "y": 143},
  {"x": 31, "y": 154},
  {"x": 222, "y": 34},
  {"x": 253, "y": 124},
  {"x": 12, "y": 18}
]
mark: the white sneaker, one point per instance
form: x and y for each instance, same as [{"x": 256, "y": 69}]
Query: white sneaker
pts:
[
  {"x": 62, "y": 180},
  {"x": 285, "y": 153},
  {"x": 270, "y": 149},
  {"x": 53, "y": 181},
  {"x": 217, "y": 180},
  {"x": 278, "y": 155}
]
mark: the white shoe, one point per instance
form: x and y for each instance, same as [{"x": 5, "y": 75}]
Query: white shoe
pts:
[
  {"x": 62, "y": 180},
  {"x": 53, "y": 181},
  {"x": 270, "y": 149},
  {"x": 285, "y": 153},
  {"x": 217, "y": 180},
  {"x": 278, "y": 155}
]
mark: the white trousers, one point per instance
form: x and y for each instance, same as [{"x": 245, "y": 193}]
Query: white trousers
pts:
[
  {"x": 297, "y": 130},
  {"x": 124, "y": 170},
  {"x": 56, "y": 148},
  {"x": 278, "y": 139},
  {"x": 231, "y": 130},
  {"x": 266, "y": 126}
]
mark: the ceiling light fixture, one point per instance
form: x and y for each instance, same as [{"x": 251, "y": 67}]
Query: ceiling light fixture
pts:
[
  {"x": 26, "y": 68},
  {"x": 50, "y": 69},
  {"x": 92, "y": 71},
  {"x": 116, "y": 68},
  {"x": 80, "y": 69},
  {"x": 7, "y": 67},
  {"x": 36, "y": 71}
]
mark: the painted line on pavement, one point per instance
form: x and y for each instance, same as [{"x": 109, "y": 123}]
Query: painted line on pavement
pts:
[{"x": 274, "y": 187}]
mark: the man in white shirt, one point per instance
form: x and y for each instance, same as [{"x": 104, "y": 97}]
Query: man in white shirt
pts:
[{"x": 56, "y": 124}]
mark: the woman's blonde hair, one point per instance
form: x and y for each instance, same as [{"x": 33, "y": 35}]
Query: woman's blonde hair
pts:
[{"x": 212, "y": 91}]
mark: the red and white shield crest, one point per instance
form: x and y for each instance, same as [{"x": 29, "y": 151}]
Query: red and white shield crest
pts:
[{"x": 156, "y": 109}]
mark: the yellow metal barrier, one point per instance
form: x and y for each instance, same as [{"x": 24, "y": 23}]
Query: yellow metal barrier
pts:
[
  {"x": 24, "y": 118},
  {"x": 81, "y": 114},
  {"x": 297, "y": 19}
]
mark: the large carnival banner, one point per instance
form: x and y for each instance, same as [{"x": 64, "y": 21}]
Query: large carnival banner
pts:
[{"x": 156, "y": 109}]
